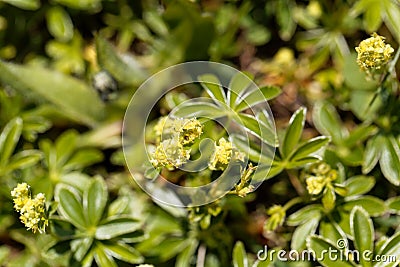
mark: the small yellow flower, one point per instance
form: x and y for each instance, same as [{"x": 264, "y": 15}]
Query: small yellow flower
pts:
[
  {"x": 315, "y": 184},
  {"x": 20, "y": 194},
  {"x": 221, "y": 156},
  {"x": 32, "y": 211},
  {"x": 190, "y": 131},
  {"x": 373, "y": 53},
  {"x": 170, "y": 153}
]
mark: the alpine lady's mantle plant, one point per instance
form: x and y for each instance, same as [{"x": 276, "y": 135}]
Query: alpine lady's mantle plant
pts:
[{"x": 67, "y": 198}]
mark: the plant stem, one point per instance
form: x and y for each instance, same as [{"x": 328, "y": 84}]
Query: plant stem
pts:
[
  {"x": 294, "y": 180},
  {"x": 292, "y": 202},
  {"x": 391, "y": 70},
  {"x": 201, "y": 256}
]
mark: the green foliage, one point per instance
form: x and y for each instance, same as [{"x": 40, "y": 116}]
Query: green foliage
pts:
[{"x": 333, "y": 148}]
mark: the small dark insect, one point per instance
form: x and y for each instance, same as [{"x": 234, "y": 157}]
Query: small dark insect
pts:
[{"x": 105, "y": 85}]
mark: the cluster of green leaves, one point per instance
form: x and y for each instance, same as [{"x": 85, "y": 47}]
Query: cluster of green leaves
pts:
[{"x": 107, "y": 225}]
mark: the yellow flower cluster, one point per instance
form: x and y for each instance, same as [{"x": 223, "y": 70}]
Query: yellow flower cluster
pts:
[
  {"x": 32, "y": 210},
  {"x": 322, "y": 174},
  {"x": 277, "y": 217},
  {"x": 223, "y": 154},
  {"x": 191, "y": 130},
  {"x": 170, "y": 153},
  {"x": 175, "y": 134},
  {"x": 315, "y": 184},
  {"x": 373, "y": 53},
  {"x": 187, "y": 130}
]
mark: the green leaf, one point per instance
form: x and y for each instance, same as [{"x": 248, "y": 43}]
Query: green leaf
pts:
[
  {"x": 372, "y": 16},
  {"x": 391, "y": 248},
  {"x": 372, "y": 153},
  {"x": 390, "y": 160},
  {"x": 94, "y": 201},
  {"x": 373, "y": 205},
  {"x": 81, "y": 4},
  {"x": 80, "y": 247},
  {"x": 24, "y": 159},
  {"x": 331, "y": 231},
  {"x": 329, "y": 198},
  {"x": 70, "y": 205},
  {"x": 257, "y": 96},
  {"x": 293, "y": 132},
  {"x": 327, "y": 122},
  {"x": 284, "y": 16},
  {"x": 301, "y": 233},
  {"x": 392, "y": 18},
  {"x": 102, "y": 258},
  {"x": 123, "y": 252},
  {"x": 83, "y": 158},
  {"x": 239, "y": 255},
  {"x": 185, "y": 257},
  {"x": 320, "y": 246},
  {"x": 213, "y": 87},
  {"x": 24, "y": 4},
  {"x": 116, "y": 227},
  {"x": 65, "y": 146},
  {"x": 257, "y": 128},
  {"x": 362, "y": 230},
  {"x": 69, "y": 94},
  {"x": 126, "y": 73},
  {"x": 394, "y": 205},
  {"x": 304, "y": 214},
  {"x": 302, "y": 162},
  {"x": 237, "y": 86},
  {"x": 192, "y": 109},
  {"x": 359, "y": 185},
  {"x": 77, "y": 180},
  {"x": 154, "y": 20},
  {"x": 309, "y": 147},
  {"x": 254, "y": 154},
  {"x": 9, "y": 138},
  {"x": 59, "y": 24},
  {"x": 360, "y": 134}
]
